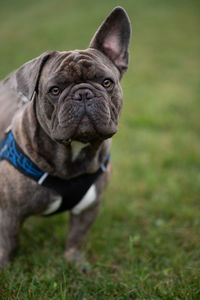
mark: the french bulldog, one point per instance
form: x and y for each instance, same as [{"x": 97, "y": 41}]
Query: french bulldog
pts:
[{"x": 58, "y": 114}]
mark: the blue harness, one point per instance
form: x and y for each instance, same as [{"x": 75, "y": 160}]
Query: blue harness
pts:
[{"x": 72, "y": 190}]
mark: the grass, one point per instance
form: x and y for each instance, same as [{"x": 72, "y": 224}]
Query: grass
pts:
[{"x": 145, "y": 243}]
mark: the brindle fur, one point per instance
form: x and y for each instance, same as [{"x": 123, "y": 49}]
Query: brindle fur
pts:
[{"x": 44, "y": 127}]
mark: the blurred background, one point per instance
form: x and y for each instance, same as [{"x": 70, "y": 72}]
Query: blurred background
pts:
[{"x": 146, "y": 240}]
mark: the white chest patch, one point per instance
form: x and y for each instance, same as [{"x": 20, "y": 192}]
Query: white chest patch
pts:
[
  {"x": 86, "y": 201},
  {"x": 55, "y": 204},
  {"x": 76, "y": 148}
]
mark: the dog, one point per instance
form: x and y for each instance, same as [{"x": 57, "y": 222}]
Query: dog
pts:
[{"x": 58, "y": 114}]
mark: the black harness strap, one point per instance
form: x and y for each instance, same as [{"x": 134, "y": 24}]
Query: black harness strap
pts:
[{"x": 73, "y": 190}]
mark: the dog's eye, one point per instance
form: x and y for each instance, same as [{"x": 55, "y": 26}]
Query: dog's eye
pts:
[
  {"x": 107, "y": 83},
  {"x": 54, "y": 91}
]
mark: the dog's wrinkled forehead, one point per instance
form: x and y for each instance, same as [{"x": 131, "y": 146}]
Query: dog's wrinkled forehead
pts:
[
  {"x": 83, "y": 65},
  {"x": 78, "y": 65}
]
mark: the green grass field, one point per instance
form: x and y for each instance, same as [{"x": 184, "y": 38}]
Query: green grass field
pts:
[{"x": 146, "y": 241}]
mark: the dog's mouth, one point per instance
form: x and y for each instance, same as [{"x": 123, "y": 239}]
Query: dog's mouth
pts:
[{"x": 84, "y": 132}]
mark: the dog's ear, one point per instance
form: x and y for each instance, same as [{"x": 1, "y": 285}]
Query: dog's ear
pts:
[
  {"x": 28, "y": 75},
  {"x": 112, "y": 38}
]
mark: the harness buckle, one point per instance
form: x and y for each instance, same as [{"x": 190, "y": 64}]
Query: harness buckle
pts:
[{"x": 42, "y": 178}]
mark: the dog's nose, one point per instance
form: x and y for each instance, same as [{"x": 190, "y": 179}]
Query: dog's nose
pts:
[{"x": 83, "y": 94}]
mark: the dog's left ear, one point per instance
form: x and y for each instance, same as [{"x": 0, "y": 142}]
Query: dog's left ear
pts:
[
  {"x": 28, "y": 75},
  {"x": 112, "y": 38}
]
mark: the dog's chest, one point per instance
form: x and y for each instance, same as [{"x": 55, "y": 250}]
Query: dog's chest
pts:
[{"x": 87, "y": 199}]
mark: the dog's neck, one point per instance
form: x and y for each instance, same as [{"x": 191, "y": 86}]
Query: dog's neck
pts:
[{"x": 65, "y": 161}]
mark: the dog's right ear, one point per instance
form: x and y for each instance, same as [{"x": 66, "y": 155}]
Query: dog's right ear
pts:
[{"x": 28, "y": 75}]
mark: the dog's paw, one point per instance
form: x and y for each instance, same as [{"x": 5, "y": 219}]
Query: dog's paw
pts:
[{"x": 76, "y": 257}]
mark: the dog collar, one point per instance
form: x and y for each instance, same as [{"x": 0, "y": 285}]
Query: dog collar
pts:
[{"x": 72, "y": 190}]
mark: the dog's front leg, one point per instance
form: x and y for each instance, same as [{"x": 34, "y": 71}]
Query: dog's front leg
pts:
[
  {"x": 80, "y": 223},
  {"x": 9, "y": 229},
  {"x": 79, "y": 226}
]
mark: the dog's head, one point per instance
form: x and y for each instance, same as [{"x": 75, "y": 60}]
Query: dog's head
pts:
[{"x": 77, "y": 93}]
